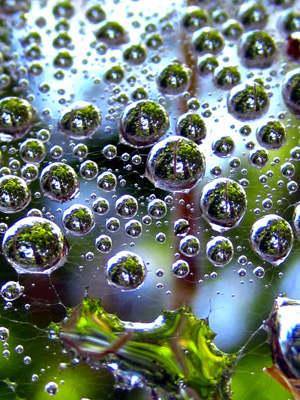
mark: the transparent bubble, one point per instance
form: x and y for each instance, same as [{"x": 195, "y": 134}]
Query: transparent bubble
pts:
[
  {"x": 147, "y": 220},
  {"x": 109, "y": 151},
  {"x": 4, "y": 334},
  {"x": 11, "y": 291},
  {"x": 272, "y": 135},
  {"x": 113, "y": 224},
  {"x": 80, "y": 120},
  {"x": 257, "y": 50},
  {"x": 59, "y": 182},
  {"x": 223, "y": 203},
  {"x": 32, "y": 151},
  {"x": 175, "y": 164},
  {"x": 259, "y": 158},
  {"x": 56, "y": 152},
  {"x": 157, "y": 208},
  {"x": 226, "y": 77},
  {"x": 160, "y": 237},
  {"x": 259, "y": 272},
  {"x": 126, "y": 271},
  {"x": 219, "y": 251},
  {"x": 133, "y": 228},
  {"x": 30, "y": 172},
  {"x": 224, "y": 146},
  {"x": 287, "y": 170},
  {"x": 194, "y": 19},
  {"x": 78, "y": 220},
  {"x": 271, "y": 238},
  {"x": 16, "y": 117},
  {"x": 126, "y": 206},
  {"x": 242, "y": 272},
  {"x": 181, "y": 227},
  {"x": 143, "y": 123},
  {"x": 290, "y": 89},
  {"x": 208, "y": 40},
  {"x": 88, "y": 170},
  {"x": 107, "y": 181},
  {"x": 189, "y": 246},
  {"x": 191, "y": 126},
  {"x": 100, "y": 206},
  {"x": 14, "y": 194},
  {"x": 248, "y": 101},
  {"x": 51, "y": 388},
  {"x": 180, "y": 268},
  {"x": 35, "y": 245},
  {"x": 103, "y": 243},
  {"x": 173, "y": 79},
  {"x": 80, "y": 151}
]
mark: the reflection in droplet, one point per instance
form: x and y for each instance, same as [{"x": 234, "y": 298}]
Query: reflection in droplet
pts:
[{"x": 271, "y": 238}]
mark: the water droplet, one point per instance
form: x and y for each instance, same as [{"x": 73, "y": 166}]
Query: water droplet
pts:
[
  {"x": 259, "y": 272},
  {"x": 80, "y": 120},
  {"x": 208, "y": 40},
  {"x": 59, "y": 182},
  {"x": 224, "y": 146},
  {"x": 271, "y": 238},
  {"x": 109, "y": 151},
  {"x": 194, "y": 19},
  {"x": 191, "y": 126},
  {"x": 107, "y": 181},
  {"x": 175, "y": 164},
  {"x": 14, "y": 194},
  {"x": 4, "y": 334},
  {"x": 259, "y": 158},
  {"x": 226, "y": 77},
  {"x": 143, "y": 123},
  {"x": 126, "y": 206},
  {"x": 223, "y": 203},
  {"x": 272, "y": 135},
  {"x": 51, "y": 388},
  {"x": 126, "y": 271},
  {"x": 173, "y": 79},
  {"x": 112, "y": 33},
  {"x": 189, "y": 246},
  {"x": 219, "y": 251},
  {"x": 100, "y": 206},
  {"x": 133, "y": 228},
  {"x": 113, "y": 224},
  {"x": 248, "y": 101},
  {"x": 180, "y": 268},
  {"x": 257, "y": 50},
  {"x": 88, "y": 170},
  {"x": 157, "y": 208},
  {"x": 290, "y": 90},
  {"x": 181, "y": 227},
  {"x": 16, "y": 117},
  {"x": 103, "y": 243},
  {"x": 35, "y": 245},
  {"x": 11, "y": 291},
  {"x": 32, "y": 151},
  {"x": 78, "y": 220}
]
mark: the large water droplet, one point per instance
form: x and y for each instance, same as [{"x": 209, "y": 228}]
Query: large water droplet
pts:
[
  {"x": 35, "y": 245},
  {"x": 223, "y": 203},
  {"x": 219, "y": 251},
  {"x": 143, "y": 123},
  {"x": 175, "y": 164},
  {"x": 78, "y": 219},
  {"x": 59, "y": 182},
  {"x": 126, "y": 270},
  {"x": 14, "y": 194},
  {"x": 271, "y": 237}
]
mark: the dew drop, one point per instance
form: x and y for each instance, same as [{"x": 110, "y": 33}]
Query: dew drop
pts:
[{"x": 126, "y": 271}]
